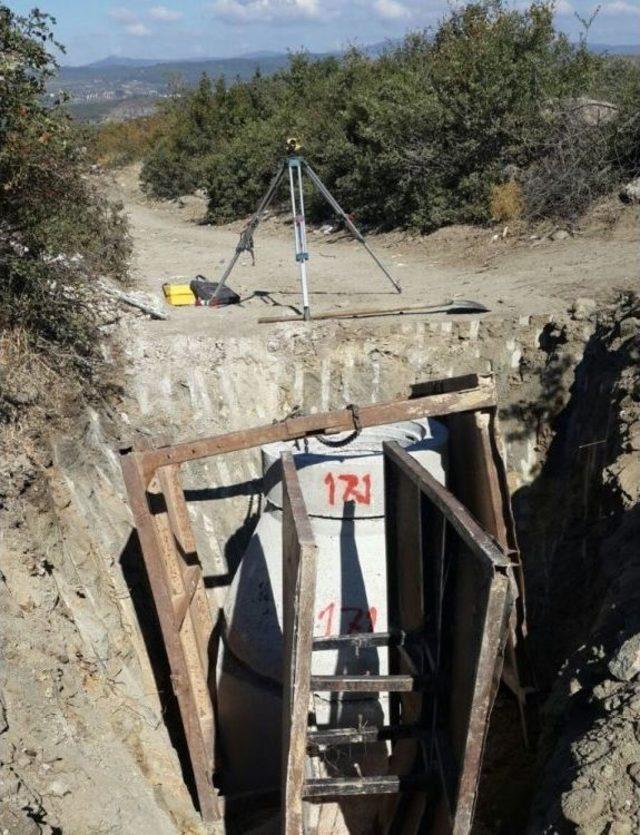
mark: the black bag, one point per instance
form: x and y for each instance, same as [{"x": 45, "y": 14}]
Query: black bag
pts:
[{"x": 204, "y": 291}]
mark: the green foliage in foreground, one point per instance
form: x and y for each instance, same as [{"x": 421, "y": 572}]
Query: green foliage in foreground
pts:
[
  {"x": 417, "y": 137},
  {"x": 56, "y": 232}
]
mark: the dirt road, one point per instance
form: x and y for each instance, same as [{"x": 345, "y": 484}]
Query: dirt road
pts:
[{"x": 513, "y": 275}]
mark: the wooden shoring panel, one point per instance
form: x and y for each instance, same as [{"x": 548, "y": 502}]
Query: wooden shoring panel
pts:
[
  {"x": 299, "y": 558},
  {"x": 172, "y": 584},
  {"x": 466, "y": 577},
  {"x": 481, "y": 395},
  {"x": 176, "y": 579}
]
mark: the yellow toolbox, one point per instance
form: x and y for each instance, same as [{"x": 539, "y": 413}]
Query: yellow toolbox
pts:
[{"x": 178, "y": 294}]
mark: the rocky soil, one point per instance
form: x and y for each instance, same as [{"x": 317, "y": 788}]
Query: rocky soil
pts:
[{"x": 587, "y": 593}]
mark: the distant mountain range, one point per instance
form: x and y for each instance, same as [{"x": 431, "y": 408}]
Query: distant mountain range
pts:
[
  {"x": 271, "y": 56},
  {"x": 116, "y": 70},
  {"x": 615, "y": 49},
  {"x": 97, "y": 89}
]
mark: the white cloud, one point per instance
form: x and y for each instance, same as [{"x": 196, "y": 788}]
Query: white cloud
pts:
[
  {"x": 129, "y": 21},
  {"x": 391, "y": 9},
  {"x": 619, "y": 7},
  {"x": 261, "y": 11},
  {"x": 165, "y": 14},
  {"x": 138, "y": 29},
  {"x": 563, "y": 7},
  {"x": 122, "y": 14}
]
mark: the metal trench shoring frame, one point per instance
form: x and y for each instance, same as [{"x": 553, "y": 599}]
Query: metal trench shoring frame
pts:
[
  {"x": 450, "y": 588},
  {"x": 160, "y": 514}
]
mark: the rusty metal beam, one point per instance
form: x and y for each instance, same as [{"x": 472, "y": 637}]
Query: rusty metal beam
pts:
[
  {"x": 182, "y": 634},
  {"x": 478, "y": 397},
  {"x": 479, "y": 542}
]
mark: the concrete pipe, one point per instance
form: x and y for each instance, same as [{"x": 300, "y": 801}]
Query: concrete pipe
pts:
[{"x": 344, "y": 494}]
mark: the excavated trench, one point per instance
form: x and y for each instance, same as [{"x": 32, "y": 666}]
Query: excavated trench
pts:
[{"x": 568, "y": 405}]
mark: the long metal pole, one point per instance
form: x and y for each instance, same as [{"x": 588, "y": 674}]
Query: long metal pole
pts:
[
  {"x": 349, "y": 223},
  {"x": 302, "y": 226},
  {"x": 299, "y": 232}
]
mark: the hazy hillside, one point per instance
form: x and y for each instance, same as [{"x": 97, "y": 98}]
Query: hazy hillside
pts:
[{"x": 98, "y": 89}]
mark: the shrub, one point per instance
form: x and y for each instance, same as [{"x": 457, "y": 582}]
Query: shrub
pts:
[
  {"x": 56, "y": 232},
  {"x": 421, "y": 136},
  {"x": 193, "y": 125}
]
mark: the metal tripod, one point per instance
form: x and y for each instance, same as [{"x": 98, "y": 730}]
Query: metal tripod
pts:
[{"x": 295, "y": 165}]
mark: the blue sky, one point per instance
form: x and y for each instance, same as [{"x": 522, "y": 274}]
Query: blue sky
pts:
[{"x": 92, "y": 29}]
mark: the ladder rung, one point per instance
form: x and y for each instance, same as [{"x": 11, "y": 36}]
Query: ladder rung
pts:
[
  {"x": 371, "y": 733},
  {"x": 360, "y": 639},
  {"x": 324, "y": 788},
  {"x": 369, "y": 684}
]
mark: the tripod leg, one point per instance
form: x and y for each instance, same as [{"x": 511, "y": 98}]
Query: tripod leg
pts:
[
  {"x": 324, "y": 191},
  {"x": 300, "y": 234},
  {"x": 250, "y": 228}
]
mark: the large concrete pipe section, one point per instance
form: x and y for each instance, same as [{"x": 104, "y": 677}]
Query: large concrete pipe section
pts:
[{"x": 343, "y": 487}]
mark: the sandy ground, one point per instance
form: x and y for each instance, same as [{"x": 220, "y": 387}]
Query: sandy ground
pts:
[{"x": 514, "y": 275}]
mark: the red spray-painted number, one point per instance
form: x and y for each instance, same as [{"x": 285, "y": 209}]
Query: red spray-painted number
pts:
[
  {"x": 364, "y": 620},
  {"x": 352, "y": 490}
]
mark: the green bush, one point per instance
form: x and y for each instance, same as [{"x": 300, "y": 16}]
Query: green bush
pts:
[
  {"x": 56, "y": 232},
  {"x": 420, "y": 136}
]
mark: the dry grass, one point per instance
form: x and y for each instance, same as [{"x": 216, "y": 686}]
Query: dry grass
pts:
[
  {"x": 32, "y": 382},
  {"x": 120, "y": 143},
  {"x": 507, "y": 202}
]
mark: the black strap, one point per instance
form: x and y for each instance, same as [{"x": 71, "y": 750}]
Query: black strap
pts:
[{"x": 357, "y": 429}]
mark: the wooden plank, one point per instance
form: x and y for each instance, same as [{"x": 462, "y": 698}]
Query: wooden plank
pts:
[
  {"x": 299, "y": 553},
  {"x": 152, "y": 549},
  {"x": 474, "y": 476},
  {"x": 446, "y": 385},
  {"x": 327, "y": 423},
  {"x": 480, "y": 482},
  {"x": 171, "y": 485},
  {"x": 477, "y": 607},
  {"x": 406, "y": 611},
  {"x": 192, "y": 576},
  {"x": 194, "y": 631},
  {"x": 324, "y": 788},
  {"x": 370, "y": 684}
]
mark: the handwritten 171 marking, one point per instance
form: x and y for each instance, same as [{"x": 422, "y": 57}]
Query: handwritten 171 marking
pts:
[
  {"x": 352, "y": 490},
  {"x": 364, "y": 620}
]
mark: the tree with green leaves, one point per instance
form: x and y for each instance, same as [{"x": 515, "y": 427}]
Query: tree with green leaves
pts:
[{"x": 56, "y": 231}]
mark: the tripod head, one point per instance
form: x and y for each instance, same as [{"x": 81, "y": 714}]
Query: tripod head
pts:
[{"x": 293, "y": 146}]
